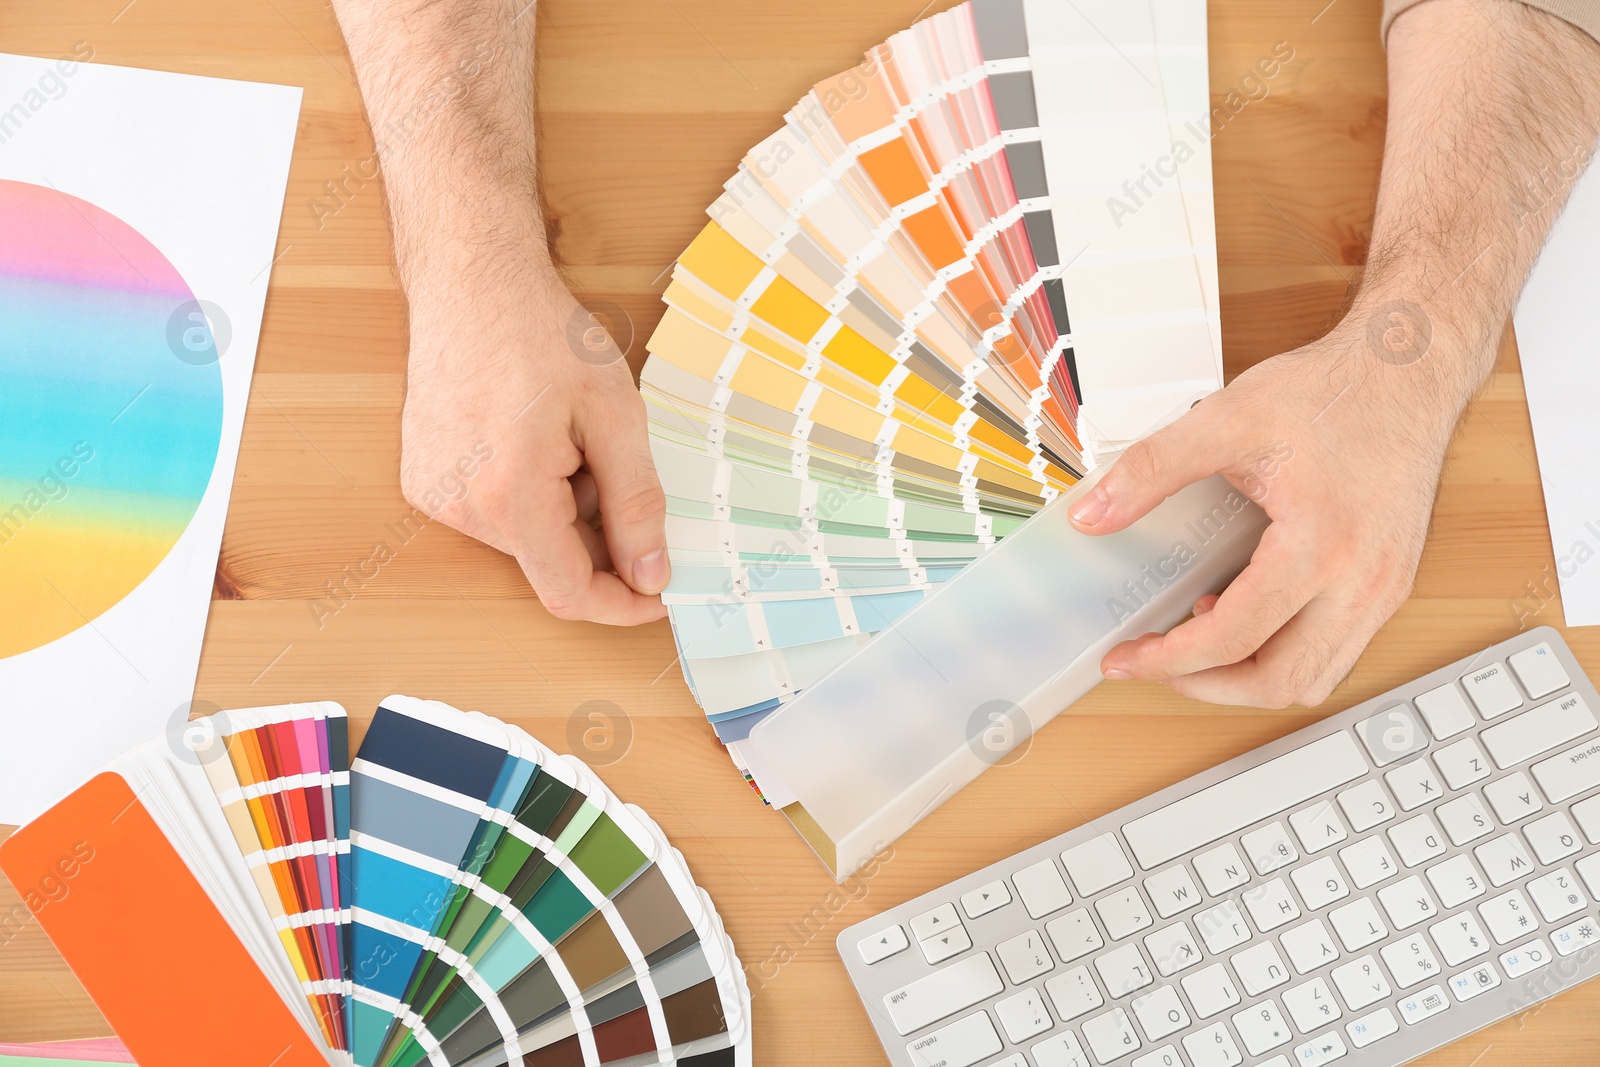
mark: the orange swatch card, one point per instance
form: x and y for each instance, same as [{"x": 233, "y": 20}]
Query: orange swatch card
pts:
[{"x": 145, "y": 940}]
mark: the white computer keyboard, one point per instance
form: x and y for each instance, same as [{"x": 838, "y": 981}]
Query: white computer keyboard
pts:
[{"x": 1362, "y": 891}]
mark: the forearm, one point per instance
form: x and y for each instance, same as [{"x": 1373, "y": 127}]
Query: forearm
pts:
[
  {"x": 449, "y": 92},
  {"x": 1494, "y": 109}
]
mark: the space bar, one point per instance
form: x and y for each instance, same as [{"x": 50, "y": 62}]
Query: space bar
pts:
[{"x": 1249, "y": 796}]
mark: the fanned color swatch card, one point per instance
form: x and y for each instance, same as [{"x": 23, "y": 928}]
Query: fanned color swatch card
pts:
[
  {"x": 958, "y": 273},
  {"x": 138, "y": 220},
  {"x": 454, "y": 894}
]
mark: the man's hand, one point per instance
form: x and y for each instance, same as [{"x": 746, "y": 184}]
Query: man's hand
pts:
[
  {"x": 1493, "y": 111},
  {"x": 1344, "y": 454},
  {"x": 521, "y": 371},
  {"x": 495, "y": 367}
]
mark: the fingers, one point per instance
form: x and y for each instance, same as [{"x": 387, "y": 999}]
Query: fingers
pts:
[
  {"x": 1301, "y": 664},
  {"x": 561, "y": 567},
  {"x": 633, "y": 508},
  {"x": 1266, "y": 595},
  {"x": 1152, "y": 469}
]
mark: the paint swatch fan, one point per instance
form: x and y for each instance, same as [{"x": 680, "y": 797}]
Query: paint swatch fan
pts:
[
  {"x": 959, "y": 273},
  {"x": 456, "y": 895}
]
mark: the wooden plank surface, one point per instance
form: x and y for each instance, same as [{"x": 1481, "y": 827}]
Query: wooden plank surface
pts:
[{"x": 647, "y": 106}]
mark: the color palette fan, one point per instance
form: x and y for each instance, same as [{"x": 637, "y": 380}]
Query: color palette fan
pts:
[
  {"x": 456, "y": 894},
  {"x": 960, "y": 273}
]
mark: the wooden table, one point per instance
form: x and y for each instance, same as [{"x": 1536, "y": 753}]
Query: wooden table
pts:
[{"x": 647, "y": 107}]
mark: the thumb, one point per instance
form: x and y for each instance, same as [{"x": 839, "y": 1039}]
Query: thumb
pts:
[
  {"x": 1152, "y": 469},
  {"x": 633, "y": 509}
]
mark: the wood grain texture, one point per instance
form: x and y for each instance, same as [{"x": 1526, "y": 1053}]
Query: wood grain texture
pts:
[{"x": 646, "y": 107}]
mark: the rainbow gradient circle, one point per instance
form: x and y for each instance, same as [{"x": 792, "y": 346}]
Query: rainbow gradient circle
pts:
[{"x": 109, "y": 427}]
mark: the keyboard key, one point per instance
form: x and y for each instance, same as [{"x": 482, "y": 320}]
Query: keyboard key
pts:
[
  {"x": 1269, "y": 848},
  {"x": 1361, "y": 982},
  {"x": 1369, "y": 862},
  {"x": 1041, "y": 889},
  {"x": 1073, "y": 993},
  {"x": 1417, "y": 840},
  {"x": 1024, "y": 957},
  {"x": 938, "y": 949},
  {"x": 1165, "y": 1056},
  {"x": 1414, "y": 784},
  {"x": 1457, "y": 881},
  {"x": 961, "y": 1044},
  {"x": 1552, "y": 837},
  {"x": 1424, "y": 1005},
  {"x": 1512, "y": 797},
  {"x": 1172, "y": 891},
  {"x": 1320, "y": 883},
  {"x": 1574, "y": 771},
  {"x": 1557, "y": 895},
  {"x": 1260, "y": 968},
  {"x": 1407, "y": 902},
  {"x": 1588, "y": 869},
  {"x": 1507, "y": 916},
  {"x": 1096, "y": 865},
  {"x": 943, "y": 993},
  {"x": 1459, "y": 938},
  {"x": 881, "y": 945},
  {"x": 1210, "y": 990},
  {"x": 1309, "y": 946},
  {"x": 1074, "y": 935},
  {"x": 1160, "y": 1013},
  {"x": 1366, "y": 805},
  {"x": 1262, "y": 1028},
  {"x": 1123, "y": 913},
  {"x": 1446, "y": 711},
  {"x": 1172, "y": 949},
  {"x": 1320, "y": 1050},
  {"x": 1369, "y": 1028},
  {"x": 1110, "y": 1035},
  {"x": 1462, "y": 763},
  {"x": 1533, "y": 733},
  {"x": 1212, "y": 1047},
  {"x": 985, "y": 898},
  {"x": 1023, "y": 1015},
  {"x": 1123, "y": 971},
  {"x": 1479, "y": 979},
  {"x": 1587, "y": 812},
  {"x": 933, "y": 922},
  {"x": 1062, "y": 1050},
  {"x": 1270, "y": 904},
  {"x": 1525, "y": 958},
  {"x": 1492, "y": 691},
  {"x": 1016, "y": 1059},
  {"x": 1581, "y": 934},
  {"x": 1503, "y": 859},
  {"x": 1392, "y": 734},
  {"x": 1261, "y": 792},
  {"x": 1311, "y": 1005},
  {"x": 1222, "y": 927},
  {"x": 1410, "y": 961},
  {"x": 1464, "y": 819},
  {"x": 1358, "y": 924},
  {"x": 1539, "y": 670},
  {"x": 1221, "y": 869},
  {"x": 1318, "y": 827}
]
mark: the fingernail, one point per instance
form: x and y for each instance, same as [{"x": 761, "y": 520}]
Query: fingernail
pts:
[
  {"x": 650, "y": 573},
  {"x": 1117, "y": 674},
  {"x": 1091, "y": 509}
]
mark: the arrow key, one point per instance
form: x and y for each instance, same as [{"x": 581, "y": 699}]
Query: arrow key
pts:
[
  {"x": 880, "y": 946},
  {"x": 985, "y": 898},
  {"x": 942, "y": 947}
]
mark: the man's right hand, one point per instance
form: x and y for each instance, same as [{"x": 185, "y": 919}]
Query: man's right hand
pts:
[{"x": 552, "y": 429}]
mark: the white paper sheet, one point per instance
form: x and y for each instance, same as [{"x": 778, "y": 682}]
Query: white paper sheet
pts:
[
  {"x": 1561, "y": 372},
  {"x": 181, "y": 178}
]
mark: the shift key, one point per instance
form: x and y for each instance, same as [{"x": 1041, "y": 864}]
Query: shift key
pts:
[{"x": 943, "y": 993}]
